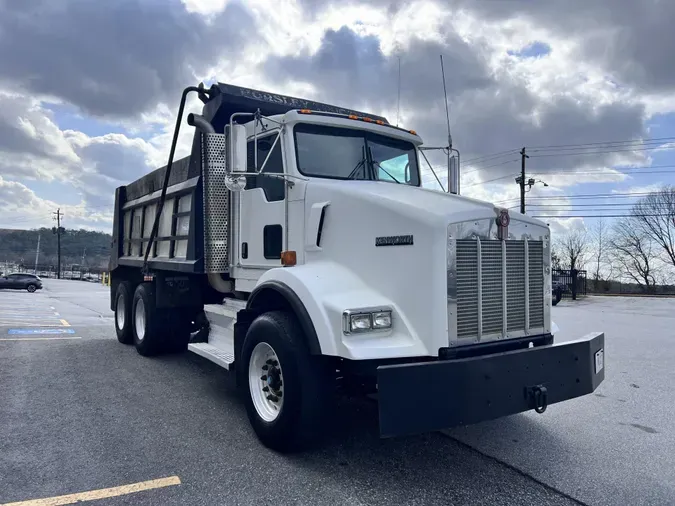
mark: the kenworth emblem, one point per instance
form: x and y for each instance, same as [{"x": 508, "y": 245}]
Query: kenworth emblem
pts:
[
  {"x": 503, "y": 221},
  {"x": 394, "y": 240}
]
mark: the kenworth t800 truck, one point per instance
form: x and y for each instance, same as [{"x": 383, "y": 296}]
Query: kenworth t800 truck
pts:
[{"x": 296, "y": 247}]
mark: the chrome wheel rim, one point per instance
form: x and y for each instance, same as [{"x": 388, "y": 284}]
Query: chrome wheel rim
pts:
[
  {"x": 120, "y": 312},
  {"x": 139, "y": 319},
  {"x": 265, "y": 382}
]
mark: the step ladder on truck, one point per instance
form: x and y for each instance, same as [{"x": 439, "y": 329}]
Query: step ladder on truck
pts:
[{"x": 296, "y": 247}]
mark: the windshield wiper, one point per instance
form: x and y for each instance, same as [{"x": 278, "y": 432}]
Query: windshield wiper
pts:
[
  {"x": 358, "y": 166},
  {"x": 385, "y": 171}
]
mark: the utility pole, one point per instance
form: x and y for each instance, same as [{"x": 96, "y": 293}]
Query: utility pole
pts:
[
  {"x": 37, "y": 255},
  {"x": 58, "y": 231},
  {"x": 522, "y": 180}
]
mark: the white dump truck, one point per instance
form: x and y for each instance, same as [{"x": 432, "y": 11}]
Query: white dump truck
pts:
[{"x": 296, "y": 247}]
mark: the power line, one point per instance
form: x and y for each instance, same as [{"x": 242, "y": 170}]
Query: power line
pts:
[
  {"x": 581, "y": 196},
  {"x": 603, "y": 173},
  {"x": 584, "y": 153},
  {"x": 632, "y": 141},
  {"x": 490, "y": 180},
  {"x": 602, "y": 204},
  {"x": 600, "y": 216},
  {"x": 491, "y": 166},
  {"x": 483, "y": 158}
]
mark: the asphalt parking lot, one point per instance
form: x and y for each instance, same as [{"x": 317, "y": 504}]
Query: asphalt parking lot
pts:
[{"x": 82, "y": 414}]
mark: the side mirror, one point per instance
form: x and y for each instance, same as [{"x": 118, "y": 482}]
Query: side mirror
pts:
[{"x": 238, "y": 151}]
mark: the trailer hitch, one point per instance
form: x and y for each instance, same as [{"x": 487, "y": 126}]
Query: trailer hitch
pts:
[{"x": 538, "y": 396}]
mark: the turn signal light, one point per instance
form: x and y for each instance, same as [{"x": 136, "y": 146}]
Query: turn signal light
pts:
[
  {"x": 305, "y": 111},
  {"x": 288, "y": 258}
]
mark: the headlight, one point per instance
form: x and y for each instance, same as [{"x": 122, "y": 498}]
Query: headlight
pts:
[
  {"x": 366, "y": 320},
  {"x": 382, "y": 320}
]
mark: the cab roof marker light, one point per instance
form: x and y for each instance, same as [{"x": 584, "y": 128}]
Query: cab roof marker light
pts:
[{"x": 356, "y": 118}]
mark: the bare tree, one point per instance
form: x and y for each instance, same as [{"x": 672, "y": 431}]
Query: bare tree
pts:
[
  {"x": 555, "y": 257},
  {"x": 633, "y": 251},
  {"x": 574, "y": 246},
  {"x": 601, "y": 260},
  {"x": 655, "y": 216}
]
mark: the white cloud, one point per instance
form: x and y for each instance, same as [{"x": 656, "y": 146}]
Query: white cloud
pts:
[{"x": 141, "y": 54}]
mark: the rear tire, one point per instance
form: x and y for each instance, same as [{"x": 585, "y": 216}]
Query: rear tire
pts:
[
  {"x": 302, "y": 384},
  {"x": 149, "y": 327},
  {"x": 123, "y": 304}
]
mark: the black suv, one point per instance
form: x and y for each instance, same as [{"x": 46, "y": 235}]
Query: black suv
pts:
[
  {"x": 558, "y": 288},
  {"x": 21, "y": 281}
]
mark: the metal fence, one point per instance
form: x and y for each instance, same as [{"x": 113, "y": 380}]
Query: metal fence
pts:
[{"x": 574, "y": 282}]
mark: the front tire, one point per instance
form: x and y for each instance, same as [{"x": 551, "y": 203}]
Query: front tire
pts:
[
  {"x": 31, "y": 288},
  {"x": 123, "y": 304},
  {"x": 287, "y": 391}
]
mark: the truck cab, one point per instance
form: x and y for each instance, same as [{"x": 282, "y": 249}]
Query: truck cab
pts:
[{"x": 297, "y": 247}]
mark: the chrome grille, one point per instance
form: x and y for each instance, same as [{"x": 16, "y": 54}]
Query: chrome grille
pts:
[
  {"x": 467, "y": 295},
  {"x": 536, "y": 283},
  {"x": 500, "y": 287},
  {"x": 491, "y": 286}
]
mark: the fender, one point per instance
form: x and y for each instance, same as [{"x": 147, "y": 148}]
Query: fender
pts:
[
  {"x": 323, "y": 291},
  {"x": 283, "y": 290}
]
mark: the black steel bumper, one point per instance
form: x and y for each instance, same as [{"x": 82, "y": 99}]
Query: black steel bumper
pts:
[{"x": 423, "y": 397}]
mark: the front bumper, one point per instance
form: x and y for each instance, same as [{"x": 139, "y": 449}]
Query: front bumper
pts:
[{"x": 428, "y": 396}]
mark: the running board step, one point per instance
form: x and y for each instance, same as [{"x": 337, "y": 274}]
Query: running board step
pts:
[{"x": 216, "y": 355}]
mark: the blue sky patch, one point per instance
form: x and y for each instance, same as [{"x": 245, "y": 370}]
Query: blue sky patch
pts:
[
  {"x": 68, "y": 117},
  {"x": 535, "y": 49}
]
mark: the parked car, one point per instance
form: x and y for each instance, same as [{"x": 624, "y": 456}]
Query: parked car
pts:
[
  {"x": 21, "y": 281},
  {"x": 557, "y": 290}
]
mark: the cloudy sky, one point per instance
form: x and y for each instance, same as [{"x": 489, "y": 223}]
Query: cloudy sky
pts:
[{"x": 89, "y": 89}]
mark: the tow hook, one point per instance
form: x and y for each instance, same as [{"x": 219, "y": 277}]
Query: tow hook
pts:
[{"x": 538, "y": 395}]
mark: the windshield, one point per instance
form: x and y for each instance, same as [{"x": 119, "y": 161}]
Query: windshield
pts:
[{"x": 344, "y": 153}]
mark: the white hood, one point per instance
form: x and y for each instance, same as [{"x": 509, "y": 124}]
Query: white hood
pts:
[{"x": 448, "y": 208}]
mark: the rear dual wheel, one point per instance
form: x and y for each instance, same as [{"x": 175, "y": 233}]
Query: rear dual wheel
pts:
[
  {"x": 157, "y": 331},
  {"x": 151, "y": 330},
  {"x": 123, "y": 301}
]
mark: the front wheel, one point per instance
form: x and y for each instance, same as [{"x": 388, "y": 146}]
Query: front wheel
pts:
[
  {"x": 287, "y": 391},
  {"x": 31, "y": 288}
]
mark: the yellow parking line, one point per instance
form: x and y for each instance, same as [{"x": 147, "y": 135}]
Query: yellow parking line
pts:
[
  {"x": 64, "y": 323},
  {"x": 103, "y": 493}
]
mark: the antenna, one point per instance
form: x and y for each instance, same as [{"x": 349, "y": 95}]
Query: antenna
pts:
[
  {"x": 453, "y": 169},
  {"x": 447, "y": 111},
  {"x": 398, "y": 105}
]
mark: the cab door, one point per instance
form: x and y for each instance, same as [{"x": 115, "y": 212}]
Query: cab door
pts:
[{"x": 262, "y": 207}]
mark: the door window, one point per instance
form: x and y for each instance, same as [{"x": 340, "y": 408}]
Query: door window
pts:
[{"x": 274, "y": 188}]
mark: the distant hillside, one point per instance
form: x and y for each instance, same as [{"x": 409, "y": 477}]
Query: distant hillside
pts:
[{"x": 18, "y": 246}]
